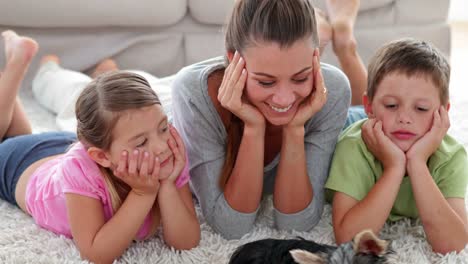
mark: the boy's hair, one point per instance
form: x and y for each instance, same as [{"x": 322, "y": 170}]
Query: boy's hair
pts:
[
  {"x": 409, "y": 56},
  {"x": 100, "y": 106}
]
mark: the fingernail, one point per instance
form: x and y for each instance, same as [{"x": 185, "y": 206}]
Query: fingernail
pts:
[
  {"x": 124, "y": 153},
  {"x": 146, "y": 154},
  {"x": 135, "y": 152}
]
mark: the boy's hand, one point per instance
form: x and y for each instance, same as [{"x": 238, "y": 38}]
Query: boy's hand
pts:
[
  {"x": 178, "y": 150},
  {"x": 381, "y": 146},
  {"x": 140, "y": 170},
  {"x": 316, "y": 100},
  {"x": 422, "y": 149}
]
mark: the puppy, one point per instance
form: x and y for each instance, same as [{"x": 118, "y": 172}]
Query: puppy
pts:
[{"x": 366, "y": 248}]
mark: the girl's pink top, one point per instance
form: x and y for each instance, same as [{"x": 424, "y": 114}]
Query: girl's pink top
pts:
[{"x": 74, "y": 172}]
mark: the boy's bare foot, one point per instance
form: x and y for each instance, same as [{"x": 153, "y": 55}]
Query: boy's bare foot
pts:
[
  {"x": 19, "y": 49},
  {"x": 342, "y": 15},
  {"x": 50, "y": 57},
  {"x": 325, "y": 31},
  {"x": 104, "y": 66}
]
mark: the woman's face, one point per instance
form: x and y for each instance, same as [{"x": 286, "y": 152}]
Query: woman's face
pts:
[{"x": 278, "y": 78}]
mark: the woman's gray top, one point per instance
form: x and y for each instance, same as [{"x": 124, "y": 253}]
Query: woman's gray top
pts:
[{"x": 205, "y": 137}]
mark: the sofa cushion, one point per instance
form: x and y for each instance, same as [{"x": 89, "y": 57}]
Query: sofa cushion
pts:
[
  {"x": 91, "y": 13},
  {"x": 213, "y": 12}
]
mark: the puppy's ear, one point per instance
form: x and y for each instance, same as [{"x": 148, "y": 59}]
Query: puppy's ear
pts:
[
  {"x": 367, "y": 242},
  {"x": 305, "y": 257}
]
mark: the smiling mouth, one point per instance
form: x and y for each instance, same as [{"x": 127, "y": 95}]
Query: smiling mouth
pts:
[{"x": 280, "y": 110}]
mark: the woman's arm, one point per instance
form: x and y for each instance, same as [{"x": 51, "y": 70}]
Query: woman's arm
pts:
[
  {"x": 243, "y": 190},
  {"x": 178, "y": 217},
  {"x": 201, "y": 127},
  {"x": 100, "y": 241},
  {"x": 307, "y": 151}
]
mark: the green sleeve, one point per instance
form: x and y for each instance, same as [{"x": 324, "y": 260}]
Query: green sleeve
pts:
[
  {"x": 351, "y": 172},
  {"x": 452, "y": 176}
]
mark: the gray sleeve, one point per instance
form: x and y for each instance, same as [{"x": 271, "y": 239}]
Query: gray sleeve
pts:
[
  {"x": 320, "y": 139},
  {"x": 204, "y": 141}
]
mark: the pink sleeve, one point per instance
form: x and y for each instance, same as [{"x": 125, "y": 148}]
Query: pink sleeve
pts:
[
  {"x": 79, "y": 177},
  {"x": 184, "y": 176}
]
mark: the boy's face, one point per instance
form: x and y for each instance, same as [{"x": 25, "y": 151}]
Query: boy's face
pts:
[{"x": 406, "y": 107}]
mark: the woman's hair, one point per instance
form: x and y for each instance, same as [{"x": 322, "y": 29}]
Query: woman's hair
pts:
[
  {"x": 98, "y": 109},
  {"x": 254, "y": 21}
]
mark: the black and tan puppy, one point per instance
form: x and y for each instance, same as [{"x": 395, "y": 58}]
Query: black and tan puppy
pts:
[{"x": 365, "y": 248}]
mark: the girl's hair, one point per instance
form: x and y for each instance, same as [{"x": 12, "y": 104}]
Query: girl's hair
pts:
[
  {"x": 98, "y": 109},
  {"x": 252, "y": 21}
]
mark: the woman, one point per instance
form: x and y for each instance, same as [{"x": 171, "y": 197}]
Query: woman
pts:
[{"x": 266, "y": 123}]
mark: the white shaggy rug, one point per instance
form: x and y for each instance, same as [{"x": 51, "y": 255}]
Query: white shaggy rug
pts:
[{"x": 21, "y": 241}]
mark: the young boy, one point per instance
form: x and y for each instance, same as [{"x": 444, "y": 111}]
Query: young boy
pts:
[{"x": 400, "y": 162}]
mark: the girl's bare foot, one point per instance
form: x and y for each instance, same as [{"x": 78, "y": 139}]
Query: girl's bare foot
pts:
[
  {"x": 104, "y": 66},
  {"x": 342, "y": 15},
  {"x": 19, "y": 49},
  {"x": 50, "y": 57},
  {"x": 325, "y": 31}
]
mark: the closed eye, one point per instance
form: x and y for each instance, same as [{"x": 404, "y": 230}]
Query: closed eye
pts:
[
  {"x": 390, "y": 106},
  {"x": 266, "y": 84},
  {"x": 142, "y": 143},
  {"x": 422, "y": 109},
  {"x": 301, "y": 80}
]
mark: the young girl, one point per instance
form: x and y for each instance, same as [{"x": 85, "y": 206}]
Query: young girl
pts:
[{"x": 121, "y": 180}]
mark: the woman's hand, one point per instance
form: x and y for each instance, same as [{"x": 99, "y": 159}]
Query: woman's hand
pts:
[
  {"x": 178, "y": 150},
  {"x": 381, "y": 146},
  {"x": 140, "y": 170},
  {"x": 231, "y": 90},
  {"x": 316, "y": 100},
  {"x": 422, "y": 149}
]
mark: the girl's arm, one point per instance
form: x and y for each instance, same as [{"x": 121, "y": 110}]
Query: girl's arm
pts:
[
  {"x": 100, "y": 241},
  {"x": 179, "y": 220},
  {"x": 444, "y": 220}
]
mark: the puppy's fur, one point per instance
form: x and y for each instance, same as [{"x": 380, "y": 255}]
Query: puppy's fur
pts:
[{"x": 366, "y": 248}]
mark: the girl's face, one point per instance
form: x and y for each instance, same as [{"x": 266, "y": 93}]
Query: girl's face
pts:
[
  {"x": 147, "y": 130},
  {"x": 406, "y": 107},
  {"x": 278, "y": 79}
]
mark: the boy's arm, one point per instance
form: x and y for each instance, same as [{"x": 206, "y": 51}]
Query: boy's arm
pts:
[
  {"x": 179, "y": 220},
  {"x": 351, "y": 216},
  {"x": 444, "y": 220}
]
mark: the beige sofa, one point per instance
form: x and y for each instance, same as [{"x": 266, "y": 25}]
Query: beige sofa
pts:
[{"x": 161, "y": 36}]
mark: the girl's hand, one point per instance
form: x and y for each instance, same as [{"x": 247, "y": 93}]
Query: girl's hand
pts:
[
  {"x": 422, "y": 149},
  {"x": 178, "y": 150},
  {"x": 316, "y": 100},
  {"x": 140, "y": 170},
  {"x": 231, "y": 90},
  {"x": 381, "y": 146}
]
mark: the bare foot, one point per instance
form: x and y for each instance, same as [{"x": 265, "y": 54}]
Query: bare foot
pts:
[
  {"x": 342, "y": 15},
  {"x": 19, "y": 49},
  {"x": 104, "y": 66},
  {"x": 50, "y": 57},
  {"x": 325, "y": 31}
]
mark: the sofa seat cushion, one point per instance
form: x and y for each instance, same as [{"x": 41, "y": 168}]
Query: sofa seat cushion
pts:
[{"x": 91, "y": 13}]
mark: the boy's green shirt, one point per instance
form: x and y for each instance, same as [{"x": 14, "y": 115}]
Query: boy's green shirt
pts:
[{"x": 354, "y": 171}]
